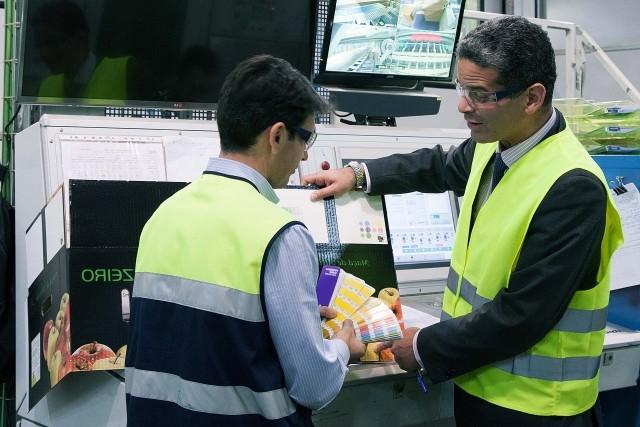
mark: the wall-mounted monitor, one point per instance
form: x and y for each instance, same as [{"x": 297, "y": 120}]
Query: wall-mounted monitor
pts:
[
  {"x": 390, "y": 43},
  {"x": 153, "y": 53}
]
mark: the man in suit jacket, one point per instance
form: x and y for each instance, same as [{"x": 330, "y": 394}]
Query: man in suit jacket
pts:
[{"x": 524, "y": 308}]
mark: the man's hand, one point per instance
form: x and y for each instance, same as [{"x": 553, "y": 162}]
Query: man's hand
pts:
[
  {"x": 403, "y": 350},
  {"x": 327, "y": 312},
  {"x": 334, "y": 182},
  {"x": 348, "y": 335}
]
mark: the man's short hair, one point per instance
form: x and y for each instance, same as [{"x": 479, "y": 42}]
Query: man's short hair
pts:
[
  {"x": 259, "y": 92},
  {"x": 518, "y": 49}
]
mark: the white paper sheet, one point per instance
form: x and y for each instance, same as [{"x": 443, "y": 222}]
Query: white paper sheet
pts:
[
  {"x": 187, "y": 157},
  {"x": 360, "y": 219},
  {"x": 113, "y": 160},
  {"x": 311, "y": 214},
  {"x": 624, "y": 264},
  {"x": 416, "y": 318}
]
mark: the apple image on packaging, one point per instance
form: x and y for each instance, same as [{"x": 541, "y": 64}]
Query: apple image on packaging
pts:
[
  {"x": 115, "y": 362},
  {"x": 66, "y": 366},
  {"x": 60, "y": 322},
  {"x": 65, "y": 308},
  {"x": 55, "y": 362},
  {"x": 45, "y": 337},
  {"x": 87, "y": 355},
  {"x": 64, "y": 345},
  {"x": 64, "y": 301},
  {"x": 52, "y": 342}
]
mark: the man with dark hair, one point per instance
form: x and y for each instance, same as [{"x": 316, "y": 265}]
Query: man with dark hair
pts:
[
  {"x": 525, "y": 304},
  {"x": 225, "y": 329}
]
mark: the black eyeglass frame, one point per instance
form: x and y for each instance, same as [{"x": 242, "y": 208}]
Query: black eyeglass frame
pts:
[
  {"x": 309, "y": 137},
  {"x": 494, "y": 96}
]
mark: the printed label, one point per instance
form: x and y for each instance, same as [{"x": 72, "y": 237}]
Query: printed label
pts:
[{"x": 35, "y": 360}]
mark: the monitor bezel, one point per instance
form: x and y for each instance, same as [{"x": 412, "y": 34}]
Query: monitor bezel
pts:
[
  {"x": 378, "y": 80},
  {"x": 151, "y": 104}
]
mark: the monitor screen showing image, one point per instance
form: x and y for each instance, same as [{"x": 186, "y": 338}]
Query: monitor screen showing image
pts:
[
  {"x": 422, "y": 228},
  {"x": 394, "y": 39},
  {"x": 154, "y": 53}
]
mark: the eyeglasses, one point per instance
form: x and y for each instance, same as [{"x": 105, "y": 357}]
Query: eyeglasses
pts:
[
  {"x": 481, "y": 98},
  {"x": 309, "y": 137}
]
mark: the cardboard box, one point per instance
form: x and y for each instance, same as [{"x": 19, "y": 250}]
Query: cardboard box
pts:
[{"x": 78, "y": 304}]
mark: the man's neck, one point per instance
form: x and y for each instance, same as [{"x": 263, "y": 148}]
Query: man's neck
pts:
[
  {"x": 250, "y": 160},
  {"x": 538, "y": 122}
]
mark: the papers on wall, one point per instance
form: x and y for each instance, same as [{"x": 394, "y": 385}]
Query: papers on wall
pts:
[
  {"x": 187, "y": 157},
  {"x": 625, "y": 261},
  {"x": 113, "y": 158}
]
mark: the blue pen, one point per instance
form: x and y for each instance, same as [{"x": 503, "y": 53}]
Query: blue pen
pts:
[{"x": 421, "y": 382}]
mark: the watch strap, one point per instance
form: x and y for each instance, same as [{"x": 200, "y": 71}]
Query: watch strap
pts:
[{"x": 358, "y": 171}]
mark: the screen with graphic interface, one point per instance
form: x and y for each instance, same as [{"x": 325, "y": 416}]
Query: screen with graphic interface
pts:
[
  {"x": 421, "y": 227},
  {"x": 392, "y": 38}
]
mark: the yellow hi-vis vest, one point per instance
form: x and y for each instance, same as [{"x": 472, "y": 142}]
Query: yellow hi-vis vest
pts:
[
  {"x": 202, "y": 254},
  {"x": 559, "y": 374},
  {"x": 224, "y": 219}
]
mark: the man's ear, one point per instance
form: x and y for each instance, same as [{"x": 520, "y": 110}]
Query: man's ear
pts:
[
  {"x": 536, "y": 94},
  {"x": 277, "y": 133}
]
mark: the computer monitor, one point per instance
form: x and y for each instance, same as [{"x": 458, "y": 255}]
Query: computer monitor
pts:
[
  {"x": 153, "y": 53},
  {"x": 422, "y": 228},
  {"x": 390, "y": 43}
]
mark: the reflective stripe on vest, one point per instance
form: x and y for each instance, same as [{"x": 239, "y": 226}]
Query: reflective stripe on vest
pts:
[
  {"x": 200, "y": 295},
  {"x": 203, "y": 296},
  {"x": 211, "y": 399},
  {"x": 573, "y": 320},
  {"x": 551, "y": 368}
]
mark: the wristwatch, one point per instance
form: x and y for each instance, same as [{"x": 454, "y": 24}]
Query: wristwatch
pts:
[{"x": 358, "y": 171}]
